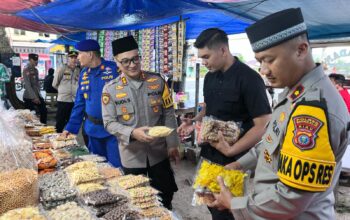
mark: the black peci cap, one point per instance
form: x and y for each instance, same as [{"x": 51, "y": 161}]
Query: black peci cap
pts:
[
  {"x": 124, "y": 44},
  {"x": 276, "y": 29}
]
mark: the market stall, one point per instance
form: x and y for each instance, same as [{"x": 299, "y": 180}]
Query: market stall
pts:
[{"x": 46, "y": 176}]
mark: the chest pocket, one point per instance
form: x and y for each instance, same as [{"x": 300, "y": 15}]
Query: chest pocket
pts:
[
  {"x": 155, "y": 105},
  {"x": 126, "y": 114},
  {"x": 67, "y": 75}
]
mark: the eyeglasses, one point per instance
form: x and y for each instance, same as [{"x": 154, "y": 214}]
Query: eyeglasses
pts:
[{"x": 127, "y": 62}]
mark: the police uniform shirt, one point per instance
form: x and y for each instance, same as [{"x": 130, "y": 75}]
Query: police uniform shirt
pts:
[
  {"x": 298, "y": 161},
  {"x": 88, "y": 99},
  {"x": 237, "y": 95},
  {"x": 66, "y": 82},
  {"x": 129, "y": 104},
  {"x": 31, "y": 82}
]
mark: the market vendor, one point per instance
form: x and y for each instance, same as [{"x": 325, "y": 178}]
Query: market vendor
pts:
[
  {"x": 232, "y": 92},
  {"x": 95, "y": 74},
  {"x": 298, "y": 162},
  {"x": 131, "y": 104}
]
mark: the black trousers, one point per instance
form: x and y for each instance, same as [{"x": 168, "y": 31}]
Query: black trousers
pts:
[
  {"x": 221, "y": 215},
  {"x": 64, "y": 110},
  {"x": 162, "y": 179},
  {"x": 41, "y": 108}
]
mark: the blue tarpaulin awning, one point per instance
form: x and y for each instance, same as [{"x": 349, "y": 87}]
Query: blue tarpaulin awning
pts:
[{"x": 325, "y": 19}]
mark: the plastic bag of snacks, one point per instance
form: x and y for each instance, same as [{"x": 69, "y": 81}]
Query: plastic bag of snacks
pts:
[
  {"x": 210, "y": 128},
  {"x": 23, "y": 213},
  {"x": 205, "y": 182},
  {"x": 18, "y": 171}
]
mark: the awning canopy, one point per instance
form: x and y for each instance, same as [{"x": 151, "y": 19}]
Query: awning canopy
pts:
[{"x": 325, "y": 19}]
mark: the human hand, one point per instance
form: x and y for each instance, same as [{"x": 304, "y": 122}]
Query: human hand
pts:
[
  {"x": 140, "y": 135},
  {"x": 221, "y": 145},
  {"x": 223, "y": 199},
  {"x": 234, "y": 166},
  {"x": 185, "y": 129},
  {"x": 65, "y": 134}
]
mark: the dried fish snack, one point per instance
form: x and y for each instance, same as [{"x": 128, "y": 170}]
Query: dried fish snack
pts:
[
  {"x": 160, "y": 131},
  {"x": 142, "y": 192},
  {"x": 90, "y": 187},
  {"x": 132, "y": 181},
  {"x": 109, "y": 172}
]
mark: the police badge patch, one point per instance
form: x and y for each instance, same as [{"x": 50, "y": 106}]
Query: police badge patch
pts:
[
  {"x": 105, "y": 98},
  {"x": 305, "y": 131}
]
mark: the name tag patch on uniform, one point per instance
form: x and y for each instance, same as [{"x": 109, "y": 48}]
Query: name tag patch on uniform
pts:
[
  {"x": 151, "y": 80},
  {"x": 154, "y": 93},
  {"x": 305, "y": 133},
  {"x": 105, "y": 98},
  {"x": 154, "y": 87},
  {"x": 275, "y": 128},
  {"x": 107, "y": 77},
  {"x": 85, "y": 82},
  {"x": 121, "y": 95},
  {"x": 311, "y": 175},
  {"x": 123, "y": 101},
  {"x": 119, "y": 87}
]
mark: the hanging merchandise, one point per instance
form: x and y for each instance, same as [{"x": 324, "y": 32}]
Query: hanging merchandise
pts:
[
  {"x": 161, "y": 48},
  {"x": 91, "y": 35},
  {"x": 173, "y": 54},
  {"x": 166, "y": 49},
  {"x": 108, "y": 53},
  {"x": 101, "y": 41},
  {"x": 180, "y": 50}
]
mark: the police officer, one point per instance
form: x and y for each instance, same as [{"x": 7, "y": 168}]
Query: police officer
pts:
[
  {"x": 66, "y": 82},
  {"x": 132, "y": 103},
  {"x": 95, "y": 74},
  {"x": 32, "y": 97},
  {"x": 298, "y": 161}
]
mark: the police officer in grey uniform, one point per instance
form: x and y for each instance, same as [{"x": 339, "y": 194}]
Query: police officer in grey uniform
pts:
[
  {"x": 298, "y": 161},
  {"x": 66, "y": 82},
  {"x": 133, "y": 103},
  {"x": 32, "y": 97}
]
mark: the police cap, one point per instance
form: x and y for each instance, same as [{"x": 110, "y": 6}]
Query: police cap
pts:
[
  {"x": 72, "y": 53},
  {"x": 276, "y": 29},
  {"x": 33, "y": 56},
  {"x": 87, "y": 45},
  {"x": 124, "y": 44}
]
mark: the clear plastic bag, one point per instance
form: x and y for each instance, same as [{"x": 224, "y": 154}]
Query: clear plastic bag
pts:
[
  {"x": 18, "y": 171},
  {"x": 205, "y": 182},
  {"x": 211, "y": 126}
]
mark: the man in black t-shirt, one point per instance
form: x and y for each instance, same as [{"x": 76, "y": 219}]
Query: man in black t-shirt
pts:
[{"x": 232, "y": 92}]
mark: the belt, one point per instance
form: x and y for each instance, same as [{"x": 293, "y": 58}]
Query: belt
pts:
[{"x": 94, "y": 120}]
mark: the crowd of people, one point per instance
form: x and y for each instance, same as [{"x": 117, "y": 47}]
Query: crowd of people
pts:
[{"x": 295, "y": 147}]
